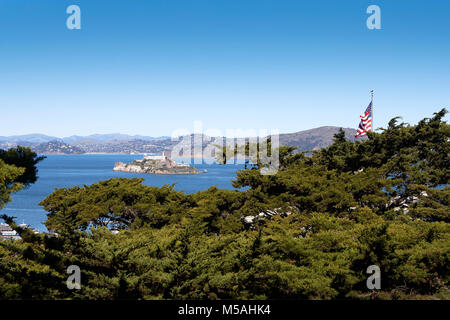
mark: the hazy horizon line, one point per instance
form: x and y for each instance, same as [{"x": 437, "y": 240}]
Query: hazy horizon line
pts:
[{"x": 145, "y": 135}]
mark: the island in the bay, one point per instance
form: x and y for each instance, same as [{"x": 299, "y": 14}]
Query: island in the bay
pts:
[{"x": 161, "y": 164}]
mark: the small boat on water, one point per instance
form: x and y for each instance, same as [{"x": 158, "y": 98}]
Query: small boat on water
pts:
[{"x": 6, "y": 232}]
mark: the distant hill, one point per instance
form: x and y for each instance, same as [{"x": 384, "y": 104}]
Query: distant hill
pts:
[
  {"x": 56, "y": 147},
  {"x": 30, "y": 138},
  {"x": 314, "y": 139},
  {"x": 111, "y": 136},
  {"x": 35, "y": 138}
]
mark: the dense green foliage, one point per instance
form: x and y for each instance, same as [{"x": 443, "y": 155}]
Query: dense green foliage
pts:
[
  {"x": 22, "y": 157},
  {"x": 9, "y": 175},
  {"x": 17, "y": 169},
  {"x": 347, "y": 207}
]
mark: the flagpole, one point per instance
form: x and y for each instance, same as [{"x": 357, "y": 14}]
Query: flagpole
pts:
[{"x": 371, "y": 101}]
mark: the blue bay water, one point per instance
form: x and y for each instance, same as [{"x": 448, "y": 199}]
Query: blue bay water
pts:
[{"x": 57, "y": 171}]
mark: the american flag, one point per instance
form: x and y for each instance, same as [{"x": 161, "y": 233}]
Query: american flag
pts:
[{"x": 366, "y": 122}]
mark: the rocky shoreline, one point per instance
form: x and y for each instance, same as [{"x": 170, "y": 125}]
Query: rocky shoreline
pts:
[{"x": 151, "y": 166}]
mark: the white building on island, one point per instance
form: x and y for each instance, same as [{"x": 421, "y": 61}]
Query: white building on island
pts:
[
  {"x": 155, "y": 157},
  {"x": 163, "y": 156}
]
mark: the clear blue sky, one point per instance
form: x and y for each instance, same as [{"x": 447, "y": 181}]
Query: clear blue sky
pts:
[{"x": 150, "y": 67}]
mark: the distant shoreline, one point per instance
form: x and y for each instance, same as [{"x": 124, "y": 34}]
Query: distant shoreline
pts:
[
  {"x": 129, "y": 154},
  {"x": 240, "y": 160}
]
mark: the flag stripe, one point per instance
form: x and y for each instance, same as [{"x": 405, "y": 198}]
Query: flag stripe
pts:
[{"x": 365, "y": 124}]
